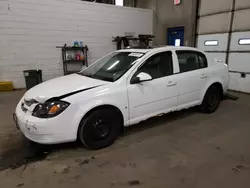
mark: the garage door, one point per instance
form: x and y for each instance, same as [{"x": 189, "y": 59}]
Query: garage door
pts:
[{"x": 224, "y": 33}]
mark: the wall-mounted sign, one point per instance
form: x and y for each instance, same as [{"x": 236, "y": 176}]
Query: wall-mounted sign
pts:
[
  {"x": 177, "y": 2},
  {"x": 177, "y": 42},
  {"x": 119, "y": 2}
]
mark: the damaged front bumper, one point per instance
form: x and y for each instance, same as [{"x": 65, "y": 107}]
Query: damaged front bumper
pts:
[
  {"x": 31, "y": 131},
  {"x": 45, "y": 131},
  {"x": 15, "y": 120}
]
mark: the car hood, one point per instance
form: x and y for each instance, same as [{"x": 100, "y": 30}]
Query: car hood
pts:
[{"x": 62, "y": 87}]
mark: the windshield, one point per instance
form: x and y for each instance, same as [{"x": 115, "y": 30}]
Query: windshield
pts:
[{"x": 113, "y": 66}]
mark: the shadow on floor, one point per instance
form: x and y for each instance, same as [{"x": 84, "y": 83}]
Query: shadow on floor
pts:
[{"x": 26, "y": 152}]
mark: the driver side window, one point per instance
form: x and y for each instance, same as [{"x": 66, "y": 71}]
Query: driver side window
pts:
[{"x": 158, "y": 65}]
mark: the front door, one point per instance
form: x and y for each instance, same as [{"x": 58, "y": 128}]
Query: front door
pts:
[
  {"x": 175, "y": 36},
  {"x": 159, "y": 95}
]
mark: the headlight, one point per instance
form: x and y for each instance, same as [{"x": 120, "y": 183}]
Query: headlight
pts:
[{"x": 50, "y": 109}]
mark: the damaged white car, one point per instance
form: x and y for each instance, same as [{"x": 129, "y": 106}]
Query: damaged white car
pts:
[{"x": 121, "y": 89}]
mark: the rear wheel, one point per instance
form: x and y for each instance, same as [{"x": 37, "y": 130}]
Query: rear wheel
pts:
[
  {"x": 100, "y": 128},
  {"x": 211, "y": 100}
]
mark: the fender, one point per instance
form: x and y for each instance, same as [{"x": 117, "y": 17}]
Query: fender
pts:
[
  {"x": 82, "y": 110},
  {"x": 211, "y": 81},
  {"x": 90, "y": 105}
]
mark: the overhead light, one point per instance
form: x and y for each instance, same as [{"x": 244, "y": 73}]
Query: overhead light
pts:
[
  {"x": 244, "y": 41},
  {"x": 211, "y": 43}
]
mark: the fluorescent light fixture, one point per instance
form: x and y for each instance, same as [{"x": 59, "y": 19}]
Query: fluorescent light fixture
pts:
[
  {"x": 244, "y": 41},
  {"x": 119, "y": 2},
  {"x": 211, "y": 42},
  {"x": 115, "y": 63}
]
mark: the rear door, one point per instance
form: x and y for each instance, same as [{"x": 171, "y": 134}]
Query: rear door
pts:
[{"x": 193, "y": 75}]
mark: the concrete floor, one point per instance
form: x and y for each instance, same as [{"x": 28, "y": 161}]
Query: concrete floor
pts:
[{"x": 182, "y": 149}]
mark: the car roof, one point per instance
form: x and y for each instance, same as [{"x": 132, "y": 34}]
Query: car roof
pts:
[{"x": 158, "y": 48}]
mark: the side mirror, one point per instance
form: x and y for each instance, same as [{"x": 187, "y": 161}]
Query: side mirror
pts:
[{"x": 141, "y": 77}]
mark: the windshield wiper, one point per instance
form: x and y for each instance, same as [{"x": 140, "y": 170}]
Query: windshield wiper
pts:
[
  {"x": 96, "y": 77},
  {"x": 87, "y": 75}
]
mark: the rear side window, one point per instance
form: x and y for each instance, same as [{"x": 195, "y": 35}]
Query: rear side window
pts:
[
  {"x": 202, "y": 60},
  {"x": 191, "y": 60}
]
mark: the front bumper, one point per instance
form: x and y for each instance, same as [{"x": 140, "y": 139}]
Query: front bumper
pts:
[{"x": 54, "y": 130}]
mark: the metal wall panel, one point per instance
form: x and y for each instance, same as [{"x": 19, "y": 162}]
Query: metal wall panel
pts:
[
  {"x": 214, "y": 6},
  {"x": 241, "y": 20},
  {"x": 235, "y": 46},
  {"x": 218, "y": 23},
  {"x": 221, "y": 38},
  {"x": 239, "y": 62},
  {"x": 218, "y": 56},
  {"x": 242, "y": 4},
  {"x": 237, "y": 83}
]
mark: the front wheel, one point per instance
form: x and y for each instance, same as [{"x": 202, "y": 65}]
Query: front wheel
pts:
[
  {"x": 211, "y": 100},
  {"x": 100, "y": 128}
]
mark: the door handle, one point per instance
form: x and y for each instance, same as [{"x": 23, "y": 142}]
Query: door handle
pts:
[
  {"x": 171, "y": 83},
  {"x": 204, "y": 76}
]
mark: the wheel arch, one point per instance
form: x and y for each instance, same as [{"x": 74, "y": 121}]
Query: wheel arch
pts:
[
  {"x": 102, "y": 106},
  {"x": 106, "y": 106},
  {"x": 215, "y": 83}
]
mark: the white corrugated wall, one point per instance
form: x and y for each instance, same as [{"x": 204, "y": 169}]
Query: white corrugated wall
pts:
[{"x": 30, "y": 30}]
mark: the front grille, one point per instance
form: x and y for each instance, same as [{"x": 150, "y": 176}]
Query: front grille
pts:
[{"x": 30, "y": 102}]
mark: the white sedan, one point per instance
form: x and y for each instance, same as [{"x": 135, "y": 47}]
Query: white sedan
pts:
[{"x": 121, "y": 89}]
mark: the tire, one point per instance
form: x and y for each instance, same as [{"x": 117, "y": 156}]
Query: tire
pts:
[
  {"x": 211, "y": 99},
  {"x": 100, "y": 128}
]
